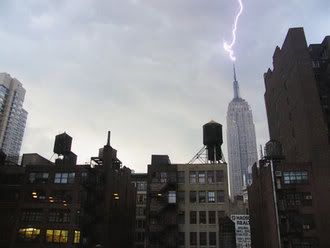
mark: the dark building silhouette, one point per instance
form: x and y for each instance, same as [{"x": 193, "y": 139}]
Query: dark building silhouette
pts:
[
  {"x": 63, "y": 204},
  {"x": 227, "y": 232},
  {"x": 296, "y": 97}
]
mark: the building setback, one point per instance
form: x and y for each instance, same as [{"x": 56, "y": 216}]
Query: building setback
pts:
[
  {"x": 297, "y": 93},
  {"x": 241, "y": 142},
  {"x": 12, "y": 116},
  {"x": 64, "y": 204}
]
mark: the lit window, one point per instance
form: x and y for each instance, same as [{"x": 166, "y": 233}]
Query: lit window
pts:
[
  {"x": 76, "y": 239},
  {"x": 28, "y": 234},
  {"x": 211, "y": 196},
  {"x": 295, "y": 177},
  {"x": 171, "y": 197},
  {"x": 192, "y": 177},
  {"x": 64, "y": 178},
  {"x": 201, "y": 177},
  {"x": 57, "y": 236}
]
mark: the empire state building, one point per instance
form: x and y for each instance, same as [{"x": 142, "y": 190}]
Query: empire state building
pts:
[{"x": 241, "y": 141}]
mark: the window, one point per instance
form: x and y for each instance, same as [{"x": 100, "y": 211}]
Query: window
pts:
[
  {"x": 171, "y": 197},
  {"x": 211, "y": 196},
  {"x": 202, "y": 217},
  {"x": 28, "y": 234},
  {"x": 140, "y": 236},
  {"x": 220, "y": 196},
  {"x": 59, "y": 216},
  {"x": 193, "y": 217},
  {"x": 64, "y": 178},
  {"x": 37, "y": 195},
  {"x": 212, "y": 238},
  {"x": 61, "y": 196},
  {"x": 140, "y": 223},
  {"x": 141, "y": 198},
  {"x": 181, "y": 217},
  {"x": 211, "y": 217},
  {"x": 76, "y": 239},
  {"x": 193, "y": 196},
  {"x": 193, "y": 238},
  {"x": 295, "y": 177},
  {"x": 180, "y": 196},
  {"x": 140, "y": 211},
  {"x": 180, "y": 176},
  {"x": 221, "y": 214},
  {"x": 181, "y": 238},
  {"x": 192, "y": 177},
  {"x": 202, "y": 238},
  {"x": 57, "y": 236},
  {"x": 141, "y": 186},
  {"x": 201, "y": 196},
  {"x": 210, "y": 176},
  {"x": 201, "y": 177},
  {"x": 163, "y": 177},
  {"x": 293, "y": 199},
  {"x": 219, "y": 177},
  {"x": 84, "y": 177},
  {"x": 38, "y": 177},
  {"x": 31, "y": 215}
]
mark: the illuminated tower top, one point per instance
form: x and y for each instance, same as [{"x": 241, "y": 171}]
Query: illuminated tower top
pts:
[{"x": 235, "y": 85}]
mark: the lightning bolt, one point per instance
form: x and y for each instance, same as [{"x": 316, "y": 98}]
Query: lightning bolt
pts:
[{"x": 229, "y": 47}]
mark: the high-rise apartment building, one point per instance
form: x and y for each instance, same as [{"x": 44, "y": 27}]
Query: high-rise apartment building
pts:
[
  {"x": 12, "y": 116},
  {"x": 241, "y": 142},
  {"x": 294, "y": 209}
]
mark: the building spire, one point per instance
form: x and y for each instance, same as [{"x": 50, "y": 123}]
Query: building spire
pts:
[{"x": 235, "y": 84}]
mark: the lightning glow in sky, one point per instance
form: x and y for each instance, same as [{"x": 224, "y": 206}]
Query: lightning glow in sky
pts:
[{"x": 229, "y": 47}]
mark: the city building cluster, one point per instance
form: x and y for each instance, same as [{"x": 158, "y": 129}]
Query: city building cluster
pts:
[{"x": 280, "y": 200}]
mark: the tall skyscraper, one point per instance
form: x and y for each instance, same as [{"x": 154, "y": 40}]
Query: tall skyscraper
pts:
[
  {"x": 12, "y": 116},
  {"x": 241, "y": 141}
]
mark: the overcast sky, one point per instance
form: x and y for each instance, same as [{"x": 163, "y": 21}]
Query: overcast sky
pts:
[{"x": 151, "y": 71}]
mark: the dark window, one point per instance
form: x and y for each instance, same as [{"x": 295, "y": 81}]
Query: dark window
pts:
[
  {"x": 38, "y": 177},
  {"x": 31, "y": 215},
  {"x": 61, "y": 196},
  {"x": 193, "y": 196},
  {"x": 59, "y": 216},
  {"x": 192, "y": 177},
  {"x": 212, "y": 238},
  {"x": 220, "y": 196},
  {"x": 64, "y": 178},
  {"x": 202, "y": 238},
  {"x": 181, "y": 217},
  {"x": 211, "y": 196},
  {"x": 219, "y": 177},
  {"x": 193, "y": 217},
  {"x": 201, "y": 196},
  {"x": 210, "y": 176},
  {"x": 211, "y": 217},
  {"x": 193, "y": 238},
  {"x": 180, "y": 176},
  {"x": 202, "y": 217},
  {"x": 181, "y": 196},
  {"x": 201, "y": 177},
  {"x": 295, "y": 177},
  {"x": 181, "y": 238}
]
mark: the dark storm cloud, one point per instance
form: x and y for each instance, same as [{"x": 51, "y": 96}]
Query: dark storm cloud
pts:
[{"x": 150, "y": 71}]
